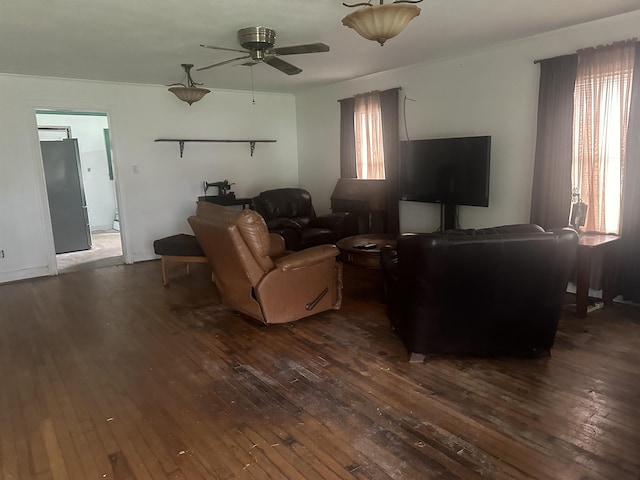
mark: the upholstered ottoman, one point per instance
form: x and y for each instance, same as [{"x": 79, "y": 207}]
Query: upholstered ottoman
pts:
[{"x": 181, "y": 248}]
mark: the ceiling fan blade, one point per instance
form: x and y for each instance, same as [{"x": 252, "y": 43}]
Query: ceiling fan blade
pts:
[
  {"x": 283, "y": 66},
  {"x": 298, "y": 49},
  {"x": 222, "y": 63},
  {"x": 223, "y": 48}
]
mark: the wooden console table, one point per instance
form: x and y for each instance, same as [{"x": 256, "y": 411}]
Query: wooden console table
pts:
[
  {"x": 589, "y": 245},
  {"x": 226, "y": 200},
  {"x": 365, "y": 199}
]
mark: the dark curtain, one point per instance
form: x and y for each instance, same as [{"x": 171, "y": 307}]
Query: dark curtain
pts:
[
  {"x": 551, "y": 196},
  {"x": 629, "y": 266},
  {"x": 347, "y": 139},
  {"x": 391, "y": 140}
]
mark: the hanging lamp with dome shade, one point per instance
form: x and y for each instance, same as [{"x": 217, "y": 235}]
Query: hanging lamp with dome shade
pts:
[
  {"x": 381, "y": 22},
  {"x": 191, "y": 91}
]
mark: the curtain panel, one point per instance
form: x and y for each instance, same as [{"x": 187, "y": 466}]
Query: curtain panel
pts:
[
  {"x": 551, "y": 194},
  {"x": 601, "y": 120},
  {"x": 629, "y": 265},
  {"x": 390, "y": 128},
  {"x": 369, "y": 136},
  {"x": 347, "y": 139}
]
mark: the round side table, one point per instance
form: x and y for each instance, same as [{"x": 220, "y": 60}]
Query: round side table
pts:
[{"x": 351, "y": 250}]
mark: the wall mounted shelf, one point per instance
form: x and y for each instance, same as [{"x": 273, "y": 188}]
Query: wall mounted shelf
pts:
[{"x": 182, "y": 141}]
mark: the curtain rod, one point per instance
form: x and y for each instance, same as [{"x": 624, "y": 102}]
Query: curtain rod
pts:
[
  {"x": 535, "y": 62},
  {"x": 385, "y": 90}
]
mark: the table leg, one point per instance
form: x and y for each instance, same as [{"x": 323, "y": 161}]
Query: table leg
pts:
[
  {"x": 609, "y": 264},
  {"x": 582, "y": 281}
]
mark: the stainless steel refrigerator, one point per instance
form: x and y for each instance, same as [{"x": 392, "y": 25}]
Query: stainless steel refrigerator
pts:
[{"x": 65, "y": 191}]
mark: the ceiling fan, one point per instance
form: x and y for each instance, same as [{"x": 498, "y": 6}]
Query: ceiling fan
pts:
[{"x": 259, "y": 47}]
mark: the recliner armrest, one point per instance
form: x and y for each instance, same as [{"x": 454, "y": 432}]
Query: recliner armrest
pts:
[
  {"x": 279, "y": 223},
  {"x": 309, "y": 256},
  {"x": 344, "y": 223},
  {"x": 277, "y": 245},
  {"x": 331, "y": 220}
]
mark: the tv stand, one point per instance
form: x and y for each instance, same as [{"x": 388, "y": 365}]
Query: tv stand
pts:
[{"x": 448, "y": 216}]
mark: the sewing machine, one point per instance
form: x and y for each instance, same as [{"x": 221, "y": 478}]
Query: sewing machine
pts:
[{"x": 223, "y": 188}]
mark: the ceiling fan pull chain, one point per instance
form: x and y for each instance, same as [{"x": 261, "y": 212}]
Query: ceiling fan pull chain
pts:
[{"x": 253, "y": 95}]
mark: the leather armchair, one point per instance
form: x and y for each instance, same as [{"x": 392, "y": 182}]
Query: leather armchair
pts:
[
  {"x": 289, "y": 212},
  {"x": 256, "y": 276},
  {"x": 485, "y": 292}
]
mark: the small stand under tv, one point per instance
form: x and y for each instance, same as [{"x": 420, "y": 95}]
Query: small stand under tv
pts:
[{"x": 448, "y": 214}]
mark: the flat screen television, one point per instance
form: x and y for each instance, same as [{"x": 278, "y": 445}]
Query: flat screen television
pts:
[{"x": 451, "y": 171}]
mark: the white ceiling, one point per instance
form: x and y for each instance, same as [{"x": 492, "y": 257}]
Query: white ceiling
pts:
[{"x": 145, "y": 41}]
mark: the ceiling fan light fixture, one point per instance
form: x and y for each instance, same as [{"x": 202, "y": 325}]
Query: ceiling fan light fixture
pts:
[
  {"x": 381, "y": 22},
  {"x": 189, "y": 92}
]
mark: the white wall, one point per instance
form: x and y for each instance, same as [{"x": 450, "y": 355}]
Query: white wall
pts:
[
  {"x": 156, "y": 201},
  {"x": 99, "y": 189},
  {"x": 490, "y": 92}
]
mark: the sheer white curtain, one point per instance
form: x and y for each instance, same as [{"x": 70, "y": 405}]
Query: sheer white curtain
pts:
[
  {"x": 368, "y": 136},
  {"x": 601, "y": 118}
]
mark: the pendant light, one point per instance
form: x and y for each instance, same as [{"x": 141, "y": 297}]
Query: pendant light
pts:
[
  {"x": 381, "y": 22},
  {"x": 189, "y": 92}
]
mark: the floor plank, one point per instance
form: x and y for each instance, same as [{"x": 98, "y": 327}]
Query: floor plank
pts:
[{"x": 108, "y": 374}]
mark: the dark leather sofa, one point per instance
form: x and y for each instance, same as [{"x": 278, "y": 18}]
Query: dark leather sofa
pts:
[
  {"x": 289, "y": 212},
  {"x": 494, "y": 291}
]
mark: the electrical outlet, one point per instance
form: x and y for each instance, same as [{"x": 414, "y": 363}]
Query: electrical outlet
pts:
[{"x": 1, "y": 253}]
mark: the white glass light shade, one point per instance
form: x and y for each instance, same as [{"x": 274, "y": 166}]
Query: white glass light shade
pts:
[
  {"x": 189, "y": 94},
  {"x": 381, "y": 22}
]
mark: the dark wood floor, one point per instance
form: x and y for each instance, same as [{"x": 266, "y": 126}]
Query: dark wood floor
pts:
[{"x": 106, "y": 374}]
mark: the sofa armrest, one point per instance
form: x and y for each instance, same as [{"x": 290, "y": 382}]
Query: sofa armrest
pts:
[{"x": 308, "y": 256}]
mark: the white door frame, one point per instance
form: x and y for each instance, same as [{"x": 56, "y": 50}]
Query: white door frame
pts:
[{"x": 52, "y": 260}]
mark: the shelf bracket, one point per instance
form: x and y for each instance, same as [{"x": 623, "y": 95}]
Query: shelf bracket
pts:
[
  {"x": 181, "y": 142},
  {"x": 252, "y": 146}
]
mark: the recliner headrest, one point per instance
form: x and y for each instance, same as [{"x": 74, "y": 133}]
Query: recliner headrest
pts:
[{"x": 255, "y": 233}]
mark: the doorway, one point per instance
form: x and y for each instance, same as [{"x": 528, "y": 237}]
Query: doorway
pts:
[{"x": 81, "y": 188}]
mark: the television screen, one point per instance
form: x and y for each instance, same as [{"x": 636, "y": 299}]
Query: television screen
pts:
[{"x": 452, "y": 171}]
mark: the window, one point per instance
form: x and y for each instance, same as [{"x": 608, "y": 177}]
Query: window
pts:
[
  {"x": 601, "y": 117},
  {"x": 367, "y": 119}
]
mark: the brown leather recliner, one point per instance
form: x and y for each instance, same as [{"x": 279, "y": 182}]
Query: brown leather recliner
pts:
[{"x": 254, "y": 273}]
